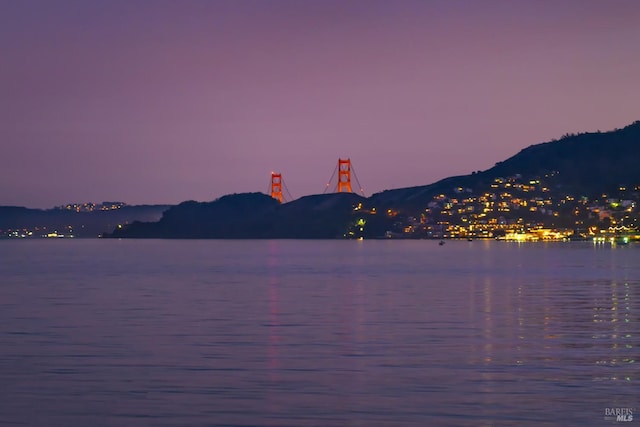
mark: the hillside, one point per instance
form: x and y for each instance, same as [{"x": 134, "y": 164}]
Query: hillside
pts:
[
  {"x": 586, "y": 164},
  {"x": 250, "y": 215}
]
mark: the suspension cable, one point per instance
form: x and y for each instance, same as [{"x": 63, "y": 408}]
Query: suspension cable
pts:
[
  {"x": 330, "y": 179},
  {"x": 357, "y": 181},
  {"x": 284, "y": 184}
]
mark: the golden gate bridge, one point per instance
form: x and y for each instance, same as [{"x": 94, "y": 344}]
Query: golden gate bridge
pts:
[{"x": 344, "y": 170}]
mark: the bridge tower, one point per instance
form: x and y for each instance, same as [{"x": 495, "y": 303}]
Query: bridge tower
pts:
[
  {"x": 276, "y": 186},
  {"x": 344, "y": 176}
]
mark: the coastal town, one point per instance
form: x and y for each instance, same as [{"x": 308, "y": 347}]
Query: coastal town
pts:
[{"x": 514, "y": 208}]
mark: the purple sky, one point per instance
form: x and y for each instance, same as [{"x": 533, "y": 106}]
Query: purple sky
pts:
[{"x": 165, "y": 101}]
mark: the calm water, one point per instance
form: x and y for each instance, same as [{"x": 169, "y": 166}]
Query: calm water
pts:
[{"x": 317, "y": 333}]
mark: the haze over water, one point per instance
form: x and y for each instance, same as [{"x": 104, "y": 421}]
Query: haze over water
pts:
[{"x": 317, "y": 333}]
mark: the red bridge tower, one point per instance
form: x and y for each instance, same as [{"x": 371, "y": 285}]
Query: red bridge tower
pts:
[
  {"x": 276, "y": 186},
  {"x": 344, "y": 176}
]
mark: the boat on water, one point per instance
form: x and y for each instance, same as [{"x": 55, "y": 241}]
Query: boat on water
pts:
[{"x": 441, "y": 243}]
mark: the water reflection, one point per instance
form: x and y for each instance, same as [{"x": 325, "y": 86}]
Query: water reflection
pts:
[
  {"x": 544, "y": 322},
  {"x": 612, "y": 316},
  {"x": 273, "y": 325},
  {"x": 540, "y": 329}
]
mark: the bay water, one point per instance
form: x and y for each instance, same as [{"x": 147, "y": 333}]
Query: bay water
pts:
[{"x": 318, "y": 333}]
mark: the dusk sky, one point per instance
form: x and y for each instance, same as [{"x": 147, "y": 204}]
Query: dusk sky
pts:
[{"x": 165, "y": 101}]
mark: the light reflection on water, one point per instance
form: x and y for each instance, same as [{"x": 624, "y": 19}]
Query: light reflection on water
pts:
[{"x": 318, "y": 333}]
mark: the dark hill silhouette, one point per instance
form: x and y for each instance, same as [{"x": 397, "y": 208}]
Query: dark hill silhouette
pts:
[
  {"x": 231, "y": 216},
  {"x": 250, "y": 215},
  {"x": 586, "y": 164},
  {"x": 313, "y": 217}
]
